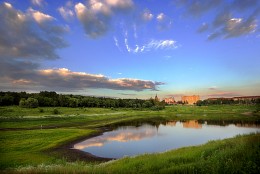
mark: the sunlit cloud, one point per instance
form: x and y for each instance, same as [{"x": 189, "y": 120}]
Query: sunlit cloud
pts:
[
  {"x": 40, "y": 17},
  {"x": 63, "y": 78}
]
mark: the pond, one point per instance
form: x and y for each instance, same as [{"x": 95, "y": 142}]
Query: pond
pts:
[{"x": 160, "y": 137}]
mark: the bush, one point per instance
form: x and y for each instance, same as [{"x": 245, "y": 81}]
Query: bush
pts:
[
  {"x": 41, "y": 110},
  {"x": 55, "y": 111},
  {"x": 29, "y": 103}
]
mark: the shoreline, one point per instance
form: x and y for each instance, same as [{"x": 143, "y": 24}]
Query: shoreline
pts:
[{"x": 70, "y": 154}]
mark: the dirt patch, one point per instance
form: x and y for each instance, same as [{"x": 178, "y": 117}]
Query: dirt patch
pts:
[{"x": 248, "y": 113}]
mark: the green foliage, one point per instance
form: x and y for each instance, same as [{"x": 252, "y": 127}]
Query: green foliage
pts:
[
  {"x": 52, "y": 99},
  {"x": 29, "y": 103},
  {"x": 55, "y": 111},
  {"x": 73, "y": 102},
  {"x": 41, "y": 110}
]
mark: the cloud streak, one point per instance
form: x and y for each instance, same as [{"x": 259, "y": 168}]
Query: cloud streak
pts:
[{"x": 153, "y": 45}]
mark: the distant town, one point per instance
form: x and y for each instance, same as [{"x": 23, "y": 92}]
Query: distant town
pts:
[{"x": 195, "y": 99}]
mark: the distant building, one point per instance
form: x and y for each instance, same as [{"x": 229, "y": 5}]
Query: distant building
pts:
[
  {"x": 222, "y": 98},
  {"x": 156, "y": 98},
  {"x": 190, "y": 99},
  {"x": 246, "y": 98},
  {"x": 169, "y": 101}
]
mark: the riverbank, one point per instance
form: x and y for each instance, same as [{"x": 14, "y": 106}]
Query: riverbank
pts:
[
  {"x": 41, "y": 134},
  {"x": 234, "y": 155}
]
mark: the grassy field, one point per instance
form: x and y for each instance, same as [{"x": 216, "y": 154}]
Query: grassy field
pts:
[{"x": 26, "y": 134}]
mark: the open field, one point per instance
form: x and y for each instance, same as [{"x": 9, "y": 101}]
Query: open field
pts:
[{"x": 27, "y": 136}]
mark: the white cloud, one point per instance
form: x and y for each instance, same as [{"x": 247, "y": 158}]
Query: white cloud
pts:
[
  {"x": 66, "y": 12},
  {"x": 147, "y": 15},
  {"x": 121, "y": 4},
  {"x": 160, "y": 17},
  {"x": 37, "y": 2},
  {"x": 127, "y": 46},
  {"x": 153, "y": 45},
  {"x": 116, "y": 43},
  {"x": 8, "y": 5},
  {"x": 162, "y": 44},
  {"x": 40, "y": 17},
  {"x": 96, "y": 15}
]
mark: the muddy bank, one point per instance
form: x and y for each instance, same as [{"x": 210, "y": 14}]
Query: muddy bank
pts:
[{"x": 66, "y": 151}]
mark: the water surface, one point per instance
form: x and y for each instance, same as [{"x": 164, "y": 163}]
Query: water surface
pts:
[{"x": 160, "y": 137}]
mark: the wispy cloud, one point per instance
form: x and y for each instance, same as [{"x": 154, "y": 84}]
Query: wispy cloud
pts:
[
  {"x": 66, "y": 11},
  {"x": 39, "y": 3},
  {"x": 127, "y": 94},
  {"x": 227, "y": 26},
  {"x": 213, "y": 88},
  {"x": 204, "y": 27},
  {"x": 147, "y": 15},
  {"x": 152, "y": 45},
  {"x": 223, "y": 94},
  {"x": 160, "y": 17},
  {"x": 233, "y": 19},
  {"x": 161, "y": 44},
  {"x": 116, "y": 43}
]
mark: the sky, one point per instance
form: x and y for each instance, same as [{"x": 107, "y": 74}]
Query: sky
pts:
[{"x": 131, "y": 48}]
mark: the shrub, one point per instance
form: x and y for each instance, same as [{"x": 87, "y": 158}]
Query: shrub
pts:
[
  {"x": 41, "y": 110},
  {"x": 55, "y": 111},
  {"x": 29, "y": 103}
]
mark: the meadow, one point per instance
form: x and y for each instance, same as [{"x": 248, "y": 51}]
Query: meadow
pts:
[{"x": 29, "y": 137}]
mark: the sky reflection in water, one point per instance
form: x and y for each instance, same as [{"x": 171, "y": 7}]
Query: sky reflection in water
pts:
[{"x": 131, "y": 140}]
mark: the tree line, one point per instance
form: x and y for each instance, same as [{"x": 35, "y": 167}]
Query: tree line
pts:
[
  {"x": 52, "y": 99},
  {"x": 221, "y": 101}
]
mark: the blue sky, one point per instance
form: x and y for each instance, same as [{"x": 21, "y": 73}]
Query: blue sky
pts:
[{"x": 130, "y": 48}]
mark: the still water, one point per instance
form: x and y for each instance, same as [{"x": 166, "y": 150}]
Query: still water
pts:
[{"x": 160, "y": 137}]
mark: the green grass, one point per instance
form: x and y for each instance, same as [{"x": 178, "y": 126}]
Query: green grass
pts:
[
  {"x": 24, "y": 150},
  {"x": 235, "y": 155},
  {"x": 16, "y": 117},
  {"x": 26, "y": 147}
]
